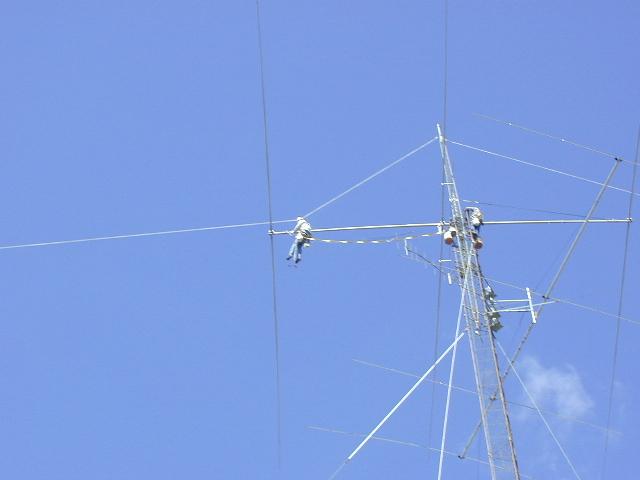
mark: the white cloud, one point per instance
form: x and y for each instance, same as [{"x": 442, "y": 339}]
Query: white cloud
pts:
[{"x": 557, "y": 389}]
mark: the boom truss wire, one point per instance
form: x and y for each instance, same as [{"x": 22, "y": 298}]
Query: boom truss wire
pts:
[
  {"x": 370, "y": 177},
  {"x": 623, "y": 276},
  {"x": 531, "y": 164},
  {"x": 553, "y": 137},
  {"x": 276, "y": 328},
  {"x": 524, "y": 209}
]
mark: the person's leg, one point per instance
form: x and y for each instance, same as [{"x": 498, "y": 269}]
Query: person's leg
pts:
[
  {"x": 292, "y": 250},
  {"x": 298, "y": 254}
]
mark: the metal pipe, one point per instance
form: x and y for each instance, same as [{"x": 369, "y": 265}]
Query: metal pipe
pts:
[{"x": 439, "y": 224}]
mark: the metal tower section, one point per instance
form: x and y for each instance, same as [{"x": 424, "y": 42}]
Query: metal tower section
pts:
[{"x": 479, "y": 320}]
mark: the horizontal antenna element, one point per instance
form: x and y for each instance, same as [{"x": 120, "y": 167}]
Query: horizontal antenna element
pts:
[{"x": 440, "y": 224}]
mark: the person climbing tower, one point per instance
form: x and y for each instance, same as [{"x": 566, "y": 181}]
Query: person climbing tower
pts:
[{"x": 476, "y": 220}]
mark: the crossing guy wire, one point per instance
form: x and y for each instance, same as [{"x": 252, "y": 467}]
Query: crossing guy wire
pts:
[
  {"x": 445, "y": 69},
  {"x": 445, "y": 97},
  {"x": 436, "y": 333},
  {"x": 276, "y": 328}
]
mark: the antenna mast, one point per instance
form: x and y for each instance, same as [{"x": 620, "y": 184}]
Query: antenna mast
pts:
[{"x": 479, "y": 319}]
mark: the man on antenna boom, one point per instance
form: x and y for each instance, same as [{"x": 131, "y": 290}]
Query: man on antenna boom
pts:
[{"x": 302, "y": 236}]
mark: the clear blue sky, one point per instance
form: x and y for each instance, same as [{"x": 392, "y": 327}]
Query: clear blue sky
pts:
[{"x": 153, "y": 357}]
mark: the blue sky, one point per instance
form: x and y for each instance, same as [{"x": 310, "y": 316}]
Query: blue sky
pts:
[{"x": 153, "y": 357}]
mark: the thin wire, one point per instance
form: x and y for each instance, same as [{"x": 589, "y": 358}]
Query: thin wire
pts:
[
  {"x": 393, "y": 441},
  {"x": 445, "y": 422},
  {"x": 408, "y": 394},
  {"x": 445, "y": 67},
  {"x": 136, "y": 235},
  {"x": 620, "y": 305},
  {"x": 548, "y": 135},
  {"x": 538, "y": 210},
  {"x": 393, "y": 370},
  {"x": 589, "y": 308},
  {"x": 436, "y": 341},
  {"x": 276, "y": 327},
  {"x": 445, "y": 91},
  {"x": 445, "y": 94},
  {"x": 370, "y": 177},
  {"x": 399, "y": 404},
  {"x": 526, "y": 390},
  {"x": 338, "y": 470},
  {"x": 574, "y": 304},
  {"x": 469, "y": 391},
  {"x": 552, "y": 170},
  {"x": 553, "y": 299},
  {"x": 555, "y": 261},
  {"x": 427, "y": 261},
  {"x": 398, "y": 442},
  {"x": 583, "y": 227}
]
